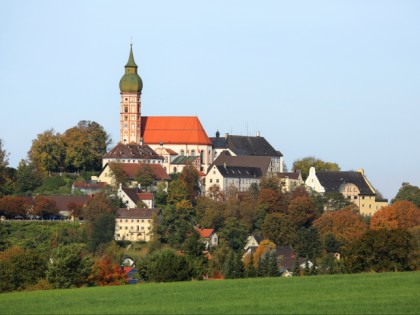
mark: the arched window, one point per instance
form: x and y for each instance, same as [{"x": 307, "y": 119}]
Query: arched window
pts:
[
  {"x": 182, "y": 152},
  {"x": 174, "y": 169},
  {"x": 201, "y": 157},
  {"x": 126, "y": 109},
  {"x": 192, "y": 152}
]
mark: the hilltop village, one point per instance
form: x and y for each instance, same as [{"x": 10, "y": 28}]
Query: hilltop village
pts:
[{"x": 209, "y": 207}]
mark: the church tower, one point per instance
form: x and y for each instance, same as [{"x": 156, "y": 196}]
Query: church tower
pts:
[{"x": 130, "y": 110}]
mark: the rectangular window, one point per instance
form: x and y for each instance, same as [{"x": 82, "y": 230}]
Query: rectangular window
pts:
[{"x": 217, "y": 180}]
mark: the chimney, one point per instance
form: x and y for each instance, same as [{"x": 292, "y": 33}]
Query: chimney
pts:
[
  {"x": 161, "y": 144},
  {"x": 224, "y": 165},
  {"x": 226, "y": 135},
  {"x": 217, "y": 134},
  {"x": 258, "y": 133},
  {"x": 141, "y": 141}
]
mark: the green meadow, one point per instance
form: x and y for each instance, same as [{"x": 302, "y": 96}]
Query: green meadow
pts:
[{"x": 386, "y": 293}]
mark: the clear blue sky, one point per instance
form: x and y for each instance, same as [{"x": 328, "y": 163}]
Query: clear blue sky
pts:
[{"x": 339, "y": 80}]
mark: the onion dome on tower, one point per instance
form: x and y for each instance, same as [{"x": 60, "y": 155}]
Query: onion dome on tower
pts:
[{"x": 131, "y": 81}]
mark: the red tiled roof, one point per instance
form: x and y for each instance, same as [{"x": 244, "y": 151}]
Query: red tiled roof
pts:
[
  {"x": 132, "y": 168},
  {"x": 83, "y": 184},
  {"x": 173, "y": 129},
  {"x": 145, "y": 196},
  {"x": 205, "y": 233}
]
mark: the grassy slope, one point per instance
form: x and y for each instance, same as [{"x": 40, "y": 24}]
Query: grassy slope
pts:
[{"x": 345, "y": 294}]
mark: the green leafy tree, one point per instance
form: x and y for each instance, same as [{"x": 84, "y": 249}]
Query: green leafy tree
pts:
[
  {"x": 103, "y": 230},
  {"x": 308, "y": 243},
  {"x": 68, "y": 267},
  {"x": 233, "y": 267},
  {"x": 176, "y": 224},
  {"x": 250, "y": 270},
  {"x": 86, "y": 143},
  {"x": 47, "y": 151},
  {"x": 28, "y": 177},
  {"x": 165, "y": 266},
  {"x": 306, "y": 163},
  {"x": 278, "y": 228},
  {"x": 100, "y": 203},
  {"x": 381, "y": 250},
  {"x": 20, "y": 268},
  {"x": 409, "y": 193},
  {"x": 190, "y": 177},
  {"x": 7, "y": 174},
  {"x": 301, "y": 211},
  {"x": 145, "y": 176},
  {"x": 178, "y": 191},
  {"x": 234, "y": 234}
]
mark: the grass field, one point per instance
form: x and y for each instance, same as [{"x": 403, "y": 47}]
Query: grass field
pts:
[{"x": 387, "y": 293}]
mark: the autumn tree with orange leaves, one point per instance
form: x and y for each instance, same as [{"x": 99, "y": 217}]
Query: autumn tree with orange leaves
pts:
[
  {"x": 345, "y": 225},
  {"x": 106, "y": 273},
  {"x": 400, "y": 215}
]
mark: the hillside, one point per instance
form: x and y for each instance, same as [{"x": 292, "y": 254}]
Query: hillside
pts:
[{"x": 386, "y": 293}]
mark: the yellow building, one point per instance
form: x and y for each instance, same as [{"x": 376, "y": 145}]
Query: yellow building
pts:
[
  {"x": 354, "y": 186},
  {"x": 135, "y": 224}
]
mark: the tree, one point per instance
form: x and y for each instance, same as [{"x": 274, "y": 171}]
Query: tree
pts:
[
  {"x": 4, "y": 176},
  {"x": 44, "y": 207},
  {"x": 106, "y": 273},
  {"x": 409, "y": 193},
  {"x": 20, "y": 268},
  {"x": 381, "y": 250},
  {"x": 103, "y": 230},
  {"x": 308, "y": 243},
  {"x": 234, "y": 234},
  {"x": 177, "y": 192},
  {"x": 400, "y": 215},
  {"x": 165, "y": 266},
  {"x": 47, "y": 151},
  {"x": 28, "y": 177},
  {"x": 233, "y": 267},
  {"x": 190, "y": 177},
  {"x": 270, "y": 201},
  {"x": 145, "y": 176},
  {"x": 176, "y": 224},
  {"x": 265, "y": 246},
  {"x": 306, "y": 163},
  {"x": 11, "y": 206},
  {"x": 100, "y": 203},
  {"x": 86, "y": 143},
  {"x": 250, "y": 270},
  {"x": 68, "y": 267},
  {"x": 346, "y": 225},
  {"x": 278, "y": 228},
  {"x": 301, "y": 211},
  {"x": 120, "y": 176}
]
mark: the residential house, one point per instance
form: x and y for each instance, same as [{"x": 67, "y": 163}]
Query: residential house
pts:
[
  {"x": 238, "y": 172},
  {"x": 248, "y": 146},
  {"x": 286, "y": 257},
  {"x": 209, "y": 237},
  {"x": 132, "y": 153},
  {"x": 87, "y": 187},
  {"x": 252, "y": 243},
  {"x": 131, "y": 169},
  {"x": 290, "y": 180},
  {"x": 353, "y": 185},
  {"x": 132, "y": 197},
  {"x": 64, "y": 203},
  {"x": 135, "y": 224}
]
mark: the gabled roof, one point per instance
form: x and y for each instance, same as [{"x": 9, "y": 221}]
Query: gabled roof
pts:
[
  {"x": 239, "y": 171},
  {"x": 245, "y": 145},
  {"x": 184, "y": 160},
  {"x": 205, "y": 233},
  {"x": 260, "y": 162},
  {"x": 332, "y": 181},
  {"x": 287, "y": 257},
  {"x": 132, "y": 168},
  {"x": 132, "y": 151},
  {"x": 173, "y": 130},
  {"x": 62, "y": 202},
  {"x": 137, "y": 213}
]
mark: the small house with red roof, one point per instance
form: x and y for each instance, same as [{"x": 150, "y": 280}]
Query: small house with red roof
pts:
[
  {"x": 209, "y": 237},
  {"x": 131, "y": 170},
  {"x": 134, "y": 197}
]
